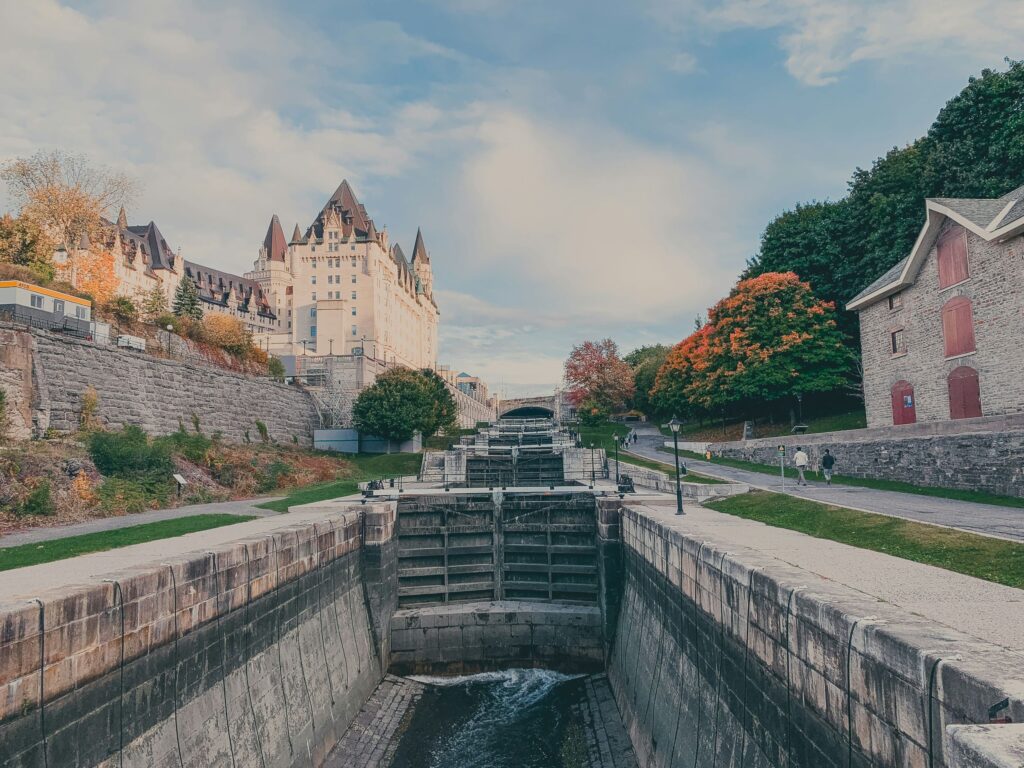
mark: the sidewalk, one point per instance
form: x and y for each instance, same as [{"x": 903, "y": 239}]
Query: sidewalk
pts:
[
  {"x": 246, "y": 507},
  {"x": 988, "y": 519}
]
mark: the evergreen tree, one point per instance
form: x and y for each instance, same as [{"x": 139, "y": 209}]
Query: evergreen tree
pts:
[
  {"x": 186, "y": 300},
  {"x": 155, "y": 304}
]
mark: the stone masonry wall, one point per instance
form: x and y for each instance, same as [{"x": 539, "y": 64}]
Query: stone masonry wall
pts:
[
  {"x": 16, "y": 381},
  {"x": 974, "y": 461},
  {"x": 733, "y": 659},
  {"x": 155, "y": 393},
  {"x": 996, "y": 291},
  {"x": 260, "y": 653}
]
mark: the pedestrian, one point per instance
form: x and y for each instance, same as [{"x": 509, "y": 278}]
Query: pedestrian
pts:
[
  {"x": 827, "y": 462},
  {"x": 635, "y": 437},
  {"x": 800, "y": 460}
]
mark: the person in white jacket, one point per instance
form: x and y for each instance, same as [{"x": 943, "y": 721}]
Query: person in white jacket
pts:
[{"x": 800, "y": 460}]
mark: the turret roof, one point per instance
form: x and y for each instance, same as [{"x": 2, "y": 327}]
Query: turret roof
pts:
[
  {"x": 274, "y": 242},
  {"x": 419, "y": 250}
]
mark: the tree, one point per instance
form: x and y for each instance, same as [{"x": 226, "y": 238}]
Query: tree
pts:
[
  {"x": 770, "y": 339},
  {"x": 396, "y": 406},
  {"x": 594, "y": 372},
  {"x": 671, "y": 393},
  {"x": 95, "y": 275},
  {"x": 154, "y": 305},
  {"x": 24, "y": 243},
  {"x": 444, "y": 416},
  {"x": 65, "y": 195},
  {"x": 186, "y": 300},
  {"x": 646, "y": 362},
  {"x": 123, "y": 310},
  {"x": 226, "y": 332}
]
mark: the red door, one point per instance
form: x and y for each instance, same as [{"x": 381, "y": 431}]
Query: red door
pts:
[
  {"x": 904, "y": 406},
  {"x": 964, "y": 393}
]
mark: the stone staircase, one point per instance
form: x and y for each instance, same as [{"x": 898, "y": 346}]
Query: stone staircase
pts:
[{"x": 432, "y": 468}]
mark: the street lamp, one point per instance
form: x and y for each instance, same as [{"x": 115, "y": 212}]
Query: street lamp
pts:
[
  {"x": 674, "y": 425},
  {"x": 169, "y": 329},
  {"x": 592, "y": 475},
  {"x": 616, "y": 441}
]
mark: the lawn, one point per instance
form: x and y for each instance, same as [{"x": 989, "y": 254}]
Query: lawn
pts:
[
  {"x": 978, "y": 497},
  {"x": 986, "y": 558},
  {"x": 72, "y": 546},
  {"x": 367, "y": 467},
  {"x": 603, "y": 436}
]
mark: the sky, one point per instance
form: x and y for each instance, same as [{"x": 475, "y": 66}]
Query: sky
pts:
[{"x": 581, "y": 169}]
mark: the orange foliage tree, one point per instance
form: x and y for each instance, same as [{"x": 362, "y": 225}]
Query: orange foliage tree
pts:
[
  {"x": 595, "y": 375},
  {"x": 770, "y": 339},
  {"x": 94, "y": 274}
]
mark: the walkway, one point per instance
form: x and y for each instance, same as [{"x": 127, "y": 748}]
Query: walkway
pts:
[
  {"x": 988, "y": 519},
  {"x": 35, "y": 535}
]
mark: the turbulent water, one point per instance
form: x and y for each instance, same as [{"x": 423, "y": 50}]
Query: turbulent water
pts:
[{"x": 517, "y": 718}]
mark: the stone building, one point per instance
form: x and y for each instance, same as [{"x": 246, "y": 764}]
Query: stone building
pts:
[
  {"x": 341, "y": 288},
  {"x": 942, "y": 332}
]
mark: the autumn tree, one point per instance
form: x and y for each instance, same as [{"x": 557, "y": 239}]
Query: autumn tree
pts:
[
  {"x": 770, "y": 339},
  {"x": 154, "y": 304},
  {"x": 66, "y": 196},
  {"x": 594, "y": 373},
  {"x": 186, "y": 300},
  {"x": 672, "y": 392},
  {"x": 24, "y": 243},
  {"x": 226, "y": 332},
  {"x": 94, "y": 274}
]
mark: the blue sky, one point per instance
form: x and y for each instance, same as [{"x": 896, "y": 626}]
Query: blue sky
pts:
[{"x": 580, "y": 169}]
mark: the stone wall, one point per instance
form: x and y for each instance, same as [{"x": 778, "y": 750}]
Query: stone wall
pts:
[
  {"x": 259, "y": 653},
  {"x": 466, "y": 638},
  {"x": 996, "y": 291},
  {"x": 157, "y": 394},
  {"x": 940, "y": 456},
  {"x": 16, "y": 381},
  {"x": 732, "y": 659}
]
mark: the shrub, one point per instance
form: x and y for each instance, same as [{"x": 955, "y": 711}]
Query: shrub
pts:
[
  {"x": 274, "y": 476},
  {"x": 193, "y": 446},
  {"x": 592, "y": 414},
  {"x": 90, "y": 405},
  {"x": 123, "y": 310},
  {"x": 275, "y": 369},
  {"x": 195, "y": 423},
  {"x": 121, "y": 495},
  {"x": 37, "y": 502},
  {"x": 228, "y": 333},
  {"x": 262, "y": 429},
  {"x": 129, "y": 454}
]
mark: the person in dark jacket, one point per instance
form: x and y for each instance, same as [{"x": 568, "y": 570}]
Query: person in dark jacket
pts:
[{"x": 827, "y": 462}]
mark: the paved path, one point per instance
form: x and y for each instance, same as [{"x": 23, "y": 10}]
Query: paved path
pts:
[
  {"x": 247, "y": 507},
  {"x": 989, "y": 519}
]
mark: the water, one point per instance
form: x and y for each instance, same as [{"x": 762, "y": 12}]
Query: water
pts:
[{"x": 517, "y": 718}]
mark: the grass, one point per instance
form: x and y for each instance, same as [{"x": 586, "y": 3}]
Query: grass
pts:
[
  {"x": 101, "y": 541},
  {"x": 977, "y": 497},
  {"x": 367, "y": 467},
  {"x": 669, "y": 469},
  {"x": 444, "y": 442},
  {"x": 711, "y": 431},
  {"x": 603, "y": 435},
  {"x": 985, "y": 558}
]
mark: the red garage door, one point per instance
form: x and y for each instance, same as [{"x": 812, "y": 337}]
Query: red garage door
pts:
[
  {"x": 964, "y": 393},
  {"x": 904, "y": 406}
]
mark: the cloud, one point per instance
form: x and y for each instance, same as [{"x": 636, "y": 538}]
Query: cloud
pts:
[
  {"x": 823, "y": 38},
  {"x": 683, "y": 63}
]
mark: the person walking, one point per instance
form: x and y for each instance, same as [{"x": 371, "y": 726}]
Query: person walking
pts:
[
  {"x": 800, "y": 460},
  {"x": 827, "y": 462}
]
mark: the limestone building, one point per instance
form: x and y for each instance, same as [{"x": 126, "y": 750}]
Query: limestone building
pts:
[
  {"x": 341, "y": 288},
  {"x": 942, "y": 332}
]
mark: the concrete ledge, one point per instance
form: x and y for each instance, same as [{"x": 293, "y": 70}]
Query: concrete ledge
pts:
[{"x": 985, "y": 746}]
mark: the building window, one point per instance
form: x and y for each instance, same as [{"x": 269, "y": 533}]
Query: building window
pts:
[
  {"x": 36, "y": 301},
  {"x": 353, "y": 247},
  {"x": 353, "y": 311},
  {"x": 353, "y": 279},
  {"x": 58, "y": 306},
  {"x": 904, "y": 407},
  {"x": 958, "y": 326},
  {"x": 312, "y": 311},
  {"x": 330, "y": 278},
  {"x": 314, "y": 296},
  {"x": 80, "y": 313},
  {"x": 312, "y": 331},
  {"x": 312, "y": 279},
  {"x": 353, "y": 294},
  {"x": 896, "y": 301},
  {"x": 952, "y": 257},
  {"x": 353, "y": 330},
  {"x": 897, "y": 343},
  {"x": 964, "y": 393}
]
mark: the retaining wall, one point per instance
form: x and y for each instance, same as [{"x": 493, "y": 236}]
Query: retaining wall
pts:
[
  {"x": 729, "y": 658},
  {"x": 468, "y": 638},
  {"x": 134, "y": 388},
  {"x": 258, "y": 654},
  {"x": 985, "y": 455}
]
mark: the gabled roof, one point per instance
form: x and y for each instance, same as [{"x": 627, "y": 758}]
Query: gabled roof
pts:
[
  {"x": 153, "y": 245},
  {"x": 419, "y": 250},
  {"x": 991, "y": 220},
  {"x": 274, "y": 242},
  {"x": 216, "y": 286}
]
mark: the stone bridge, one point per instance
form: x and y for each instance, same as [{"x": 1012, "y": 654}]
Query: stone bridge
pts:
[{"x": 543, "y": 406}]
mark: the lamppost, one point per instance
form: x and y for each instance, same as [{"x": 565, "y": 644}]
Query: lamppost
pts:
[
  {"x": 616, "y": 460},
  {"x": 592, "y": 474},
  {"x": 800, "y": 407},
  {"x": 169, "y": 329},
  {"x": 674, "y": 425}
]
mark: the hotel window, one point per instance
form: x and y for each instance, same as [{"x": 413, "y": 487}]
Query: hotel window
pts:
[
  {"x": 897, "y": 343},
  {"x": 314, "y": 295},
  {"x": 353, "y": 294},
  {"x": 353, "y": 330},
  {"x": 36, "y": 301},
  {"x": 312, "y": 311},
  {"x": 353, "y": 279},
  {"x": 330, "y": 278},
  {"x": 312, "y": 330},
  {"x": 353, "y": 311},
  {"x": 312, "y": 279},
  {"x": 353, "y": 247},
  {"x": 896, "y": 301}
]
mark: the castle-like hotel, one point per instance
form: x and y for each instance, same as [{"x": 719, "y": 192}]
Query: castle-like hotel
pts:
[{"x": 339, "y": 288}]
